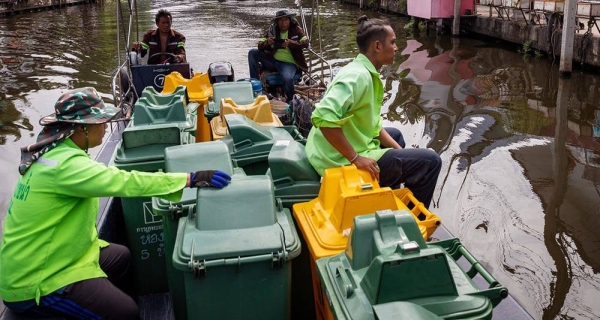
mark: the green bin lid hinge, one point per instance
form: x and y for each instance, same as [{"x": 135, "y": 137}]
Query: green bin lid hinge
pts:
[
  {"x": 176, "y": 210},
  {"x": 199, "y": 267}
]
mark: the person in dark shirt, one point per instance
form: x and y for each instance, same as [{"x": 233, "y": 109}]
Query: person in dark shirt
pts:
[{"x": 163, "y": 39}]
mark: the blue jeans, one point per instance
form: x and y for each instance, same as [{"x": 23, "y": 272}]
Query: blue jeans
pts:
[
  {"x": 285, "y": 69},
  {"x": 418, "y": 169}
]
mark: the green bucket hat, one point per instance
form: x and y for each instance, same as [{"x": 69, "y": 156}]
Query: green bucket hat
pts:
[
  {"x": 79, "y": 106},
  {"x": 83, "y": 105}
]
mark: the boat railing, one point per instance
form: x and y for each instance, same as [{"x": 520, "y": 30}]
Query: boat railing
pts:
[
  {"x": 122, "y": 88},
  {"x": 315, "y": 87}
]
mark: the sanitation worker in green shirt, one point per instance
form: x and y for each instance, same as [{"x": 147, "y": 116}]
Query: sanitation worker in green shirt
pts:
[
  {"x": 52, "y": 262},
  {"x": 347, "y": 126}
]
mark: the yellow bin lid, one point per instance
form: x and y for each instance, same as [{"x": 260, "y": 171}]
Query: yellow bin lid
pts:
[
  {"x": 345, "y": 193},
  {"x": 198, "y": 87}
]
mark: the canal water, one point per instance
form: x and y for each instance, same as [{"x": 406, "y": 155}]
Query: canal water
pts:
[{"x": 520, "y": 184}]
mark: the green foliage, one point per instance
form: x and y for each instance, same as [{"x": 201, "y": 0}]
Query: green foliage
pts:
[
  {"x": 409, "y": 25},
  {"x": 526, "y": 49}
]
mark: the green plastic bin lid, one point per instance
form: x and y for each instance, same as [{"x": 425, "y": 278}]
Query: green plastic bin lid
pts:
[
  {"x": 240, "y": 220},
  {"x": 156, "y": 108},
  {"x": 242, "y": 128},
  {"x": 402, "y": 267},
  {"x": 163, "y": 98},
  {"x": 239, "y": 92},
  {"x": 288, "y": 161},
  {"x": 251, "y": 139},
  {"x": 147, "y": 143},
  {"x": 393, "y": 227},
  {"x": 211, "y": 155}
]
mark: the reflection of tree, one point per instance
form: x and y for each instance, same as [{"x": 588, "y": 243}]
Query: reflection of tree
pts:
[
  {"x": 405, "y": 106},
  {"x": 502, "y": 85},
  {"x": 9, "y": 122}
]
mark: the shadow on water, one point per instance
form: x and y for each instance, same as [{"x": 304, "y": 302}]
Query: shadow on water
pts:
[{"x": 520, "y": 183}]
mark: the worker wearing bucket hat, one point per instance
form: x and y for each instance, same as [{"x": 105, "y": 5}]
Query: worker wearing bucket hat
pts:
[
  {"x": 52, "y": 261},
  {"x": 280, "y": 49}
]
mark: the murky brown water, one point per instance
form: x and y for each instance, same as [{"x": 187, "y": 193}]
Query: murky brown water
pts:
[{"x": 520, "y": 184}]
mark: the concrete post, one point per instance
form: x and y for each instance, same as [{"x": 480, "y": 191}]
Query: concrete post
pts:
[
  {"x": 567, "y": 36},
  {"x": 456, "y": 22}
]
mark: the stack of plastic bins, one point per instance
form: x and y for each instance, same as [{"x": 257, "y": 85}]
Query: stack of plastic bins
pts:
[
  {"x": 213, "y": 155},
  {"x": 389, "y": 272},
  {"x": 240, "y": 92},
  {"x": 345, "y": 193},
  {"x": 154, "y": 108},
  {"x": 294, "y": 178},
  {"x": 199, "y": 90},
  {"x": 295, "y": 181},
  {"x": 258, "y": 110},
  {"x": 234, "y": 252},
  {"x": 142, "y": 149},
  {"x": 250, "y": 143}
]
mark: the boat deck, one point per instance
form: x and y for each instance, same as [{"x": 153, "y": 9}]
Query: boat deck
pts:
[{"x": 158, "y": 306}]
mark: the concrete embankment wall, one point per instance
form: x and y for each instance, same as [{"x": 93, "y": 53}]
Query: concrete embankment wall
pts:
[
  {"x": 586, "y": 48},
  {"x": 11, "y": 7}
]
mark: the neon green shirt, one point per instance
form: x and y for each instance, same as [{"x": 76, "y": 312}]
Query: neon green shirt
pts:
[
  {"x": 50, "y": 237},
  {"x": 352, "y": 102},
  {"x": 284, "y": 54}
]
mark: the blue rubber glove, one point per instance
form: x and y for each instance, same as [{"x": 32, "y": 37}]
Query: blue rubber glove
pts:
[{"x": 209, "y": 178}]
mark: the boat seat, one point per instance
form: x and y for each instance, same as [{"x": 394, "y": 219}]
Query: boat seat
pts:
[
  {"x": 198, "y": 87},
  {"x": 259, "y": 111}
]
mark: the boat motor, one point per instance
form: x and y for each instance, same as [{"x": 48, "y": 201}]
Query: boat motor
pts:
[{"x": 220, "y": 72}]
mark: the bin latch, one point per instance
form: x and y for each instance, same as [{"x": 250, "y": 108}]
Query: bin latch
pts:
[
  {"x": 197, "y": 267},
  {"x": 176, "y": 211},
  {"x": 278, "y": 258}
]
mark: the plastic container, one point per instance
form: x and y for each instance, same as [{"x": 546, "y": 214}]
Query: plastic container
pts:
[
  {"x": 199, "y": 90},
  {"x": 345, "y": 193},
  {"x": 294, "y": 178},
  {"x": 257, "y": 86},
  {"x": 235, "y": 253},
  {"x": 389, "y": 272},
  {"x": 251, "y": 142},
  {"x": 184, "y": 158},
  {"x": 240, "y": 92},
  {"x": 142, "y": 149},
  {"x": 156, "y": 108},
  {"x": 259, "y": 111}
]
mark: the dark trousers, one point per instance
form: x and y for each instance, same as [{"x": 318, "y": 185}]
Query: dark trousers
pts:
[
  {"x": 417, "y": 169},
  {"x": 285, "y": 69},
  {"x": 96, "y": 298}
]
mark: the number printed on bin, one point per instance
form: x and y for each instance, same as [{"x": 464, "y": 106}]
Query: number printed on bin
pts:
[{"x": 284, "y": 143}]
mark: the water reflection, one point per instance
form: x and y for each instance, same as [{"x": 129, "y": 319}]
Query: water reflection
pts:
[{"x": 521, "y": 178}]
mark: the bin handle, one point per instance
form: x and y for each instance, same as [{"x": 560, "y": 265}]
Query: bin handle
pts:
[
  {"x": 346, "y": 286},
  {"x": 476, "y": 267}
]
